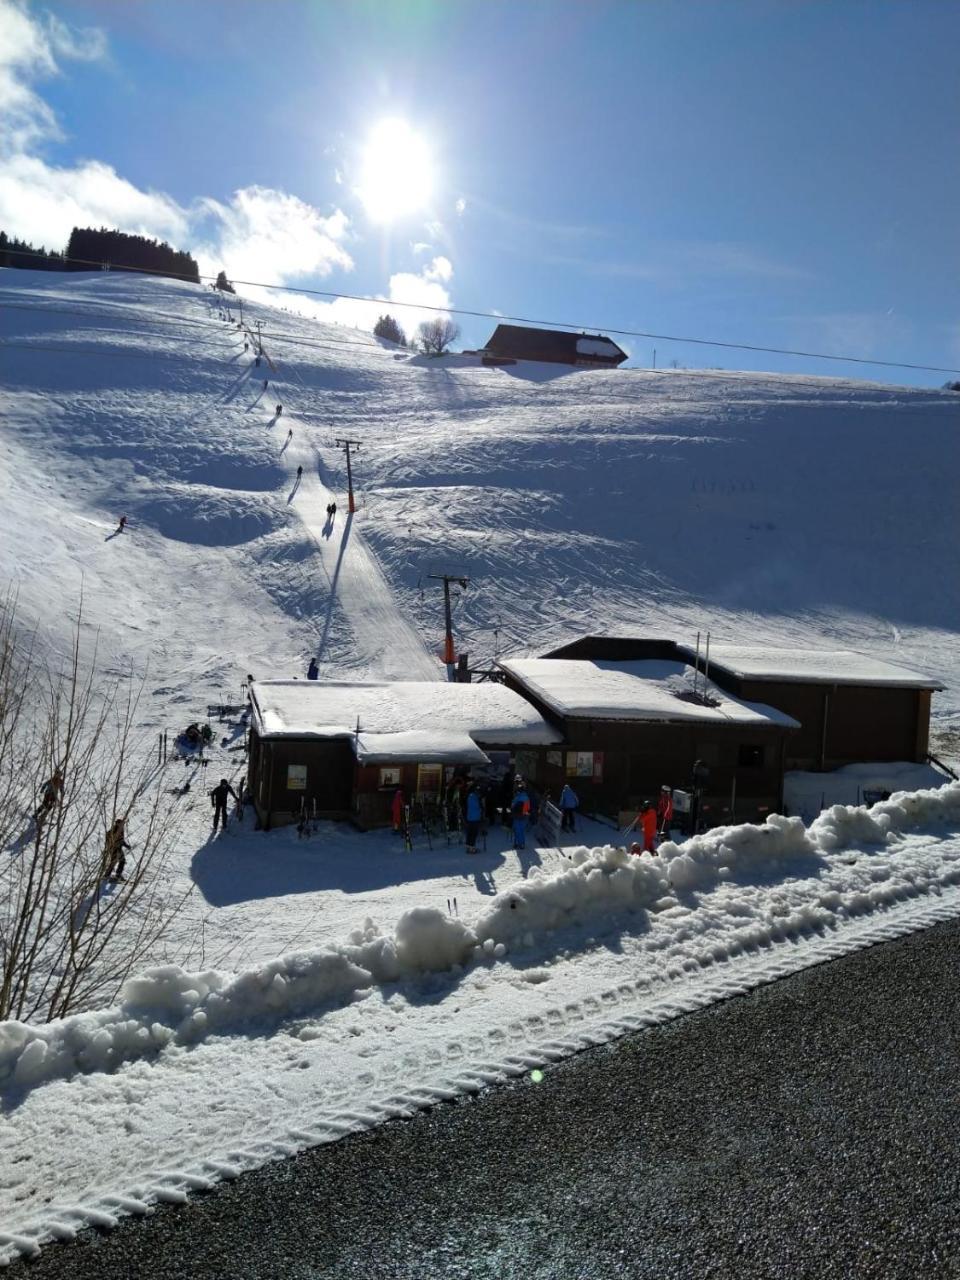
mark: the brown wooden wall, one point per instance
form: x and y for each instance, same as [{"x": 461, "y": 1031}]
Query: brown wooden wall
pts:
[
  {"x": 641, "y": 756},
  {"x": 330, "y": 771},
  {"x": 863, "y": 723}
]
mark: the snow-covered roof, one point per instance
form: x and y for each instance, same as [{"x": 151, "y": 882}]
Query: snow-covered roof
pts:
[
  {"x": 414, "y": 721},
  {"x": 649, "y": 689},
  {"x": 598, "y": 347},
  {"x": 813, "y": 666}
]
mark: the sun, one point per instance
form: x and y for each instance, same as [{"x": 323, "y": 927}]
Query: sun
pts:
[{"x": 396, "y": 176}]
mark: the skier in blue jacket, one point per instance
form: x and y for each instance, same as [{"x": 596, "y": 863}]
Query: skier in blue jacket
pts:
[
  {"x": 569, "y": 804},
  {"x": 474, "y": 817},
  {"x": 520, "y": 812}
]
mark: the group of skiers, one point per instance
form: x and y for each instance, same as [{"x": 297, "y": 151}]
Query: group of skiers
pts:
[
  {"x": 478, "y": 807},
  {"x": 653, "y": 822},
  {"x": 112, "y": 860}
]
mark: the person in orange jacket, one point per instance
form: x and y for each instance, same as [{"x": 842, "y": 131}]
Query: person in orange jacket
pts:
[{"x": 648, "y": 825}]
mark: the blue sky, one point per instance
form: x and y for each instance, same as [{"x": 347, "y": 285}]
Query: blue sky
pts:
[{"x": 780, "y": 174}]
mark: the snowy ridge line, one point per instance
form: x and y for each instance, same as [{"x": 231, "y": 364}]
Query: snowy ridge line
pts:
[
  {"x": 737, "y": 975},
  {"x": 169, "y": 1006}
]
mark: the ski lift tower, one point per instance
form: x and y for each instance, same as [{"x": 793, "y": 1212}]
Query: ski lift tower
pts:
[
  {"x": 449, "y": 654},
  {"x": 347, "y": 445}
]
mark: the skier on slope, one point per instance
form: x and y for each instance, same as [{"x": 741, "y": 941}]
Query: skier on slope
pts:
[
  {"x": 113, "y": 848},
  {"x": 218, "y": 798},
  {"x": 51, "y": 796},
  {"x": 299, "y": 473},
  {"x": 122, "y": 525},
  {"x": 279, "y": 410},
  {"x": 313, "y": 671}
]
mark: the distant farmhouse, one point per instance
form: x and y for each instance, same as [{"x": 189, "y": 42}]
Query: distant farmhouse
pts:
[{"x": 512, "y": 342}]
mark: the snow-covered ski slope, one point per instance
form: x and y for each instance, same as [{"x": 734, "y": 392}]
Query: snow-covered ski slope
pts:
[{"x": 795, "y": 509}]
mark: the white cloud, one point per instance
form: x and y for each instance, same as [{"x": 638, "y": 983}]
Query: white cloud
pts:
[
  {"x": 42, "y": 202},
  {"x": 269, "y": 235},
  {"x": 424, "y": 290},
  {"x": 421, "y": 246},
  {"x": 460, "y": 207},
  {"x": 439, "y": 269},
  {"x": 29, "y": 48},
  {"x": 84, "y": 44}
]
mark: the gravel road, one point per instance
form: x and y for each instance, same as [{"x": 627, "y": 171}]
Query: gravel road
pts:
[{"x": 810, "y": 1128}]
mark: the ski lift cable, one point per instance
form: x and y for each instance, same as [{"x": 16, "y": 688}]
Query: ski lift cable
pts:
[{"x": 553, "y": 324}]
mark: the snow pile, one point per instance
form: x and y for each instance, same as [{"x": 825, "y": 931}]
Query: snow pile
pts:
[
  {"x": 168, "y": 1005},
  {"x": 727, "y": 851},
  {"x": 808, "y": 794},
  {"x": 600, "y": 883},
  {"x": 843, "y": 826},
  {"x": 429, "y": 940}
]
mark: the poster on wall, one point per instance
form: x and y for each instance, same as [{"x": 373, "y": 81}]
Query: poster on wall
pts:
[
  {"x": 585, "y": 764},
  {"x": 296, "y": 777}
]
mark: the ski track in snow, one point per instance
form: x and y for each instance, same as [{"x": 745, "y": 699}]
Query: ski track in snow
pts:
[
  {"x": 386, "y": 644},
  {"x": 760, "y": 506}
]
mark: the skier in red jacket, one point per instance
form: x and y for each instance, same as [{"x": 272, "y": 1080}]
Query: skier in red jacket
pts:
[{"x": 396, "y": 809}]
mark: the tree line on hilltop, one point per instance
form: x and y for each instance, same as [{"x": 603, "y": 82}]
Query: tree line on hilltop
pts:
[
  {"x": 89, "y": 248},
  {"x": 433, "y": 336}
]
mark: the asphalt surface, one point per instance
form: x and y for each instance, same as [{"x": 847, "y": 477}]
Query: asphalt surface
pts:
[{"x": 809, "y": 1129}]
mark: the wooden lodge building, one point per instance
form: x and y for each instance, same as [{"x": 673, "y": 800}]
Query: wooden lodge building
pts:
[
  {"x": 617, "y": 716},
  {"x": 851, "y": 708},
  {"x": 512, "y": 342},
  {"x": 342, "y": 750},
  {"x": 633, "y": 724}
]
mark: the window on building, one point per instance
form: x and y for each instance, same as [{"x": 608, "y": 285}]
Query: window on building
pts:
[
  {"x": 749, "y": 756},
  {"x": 390, "y": 776},
  {"x": 429, "y": 777}
]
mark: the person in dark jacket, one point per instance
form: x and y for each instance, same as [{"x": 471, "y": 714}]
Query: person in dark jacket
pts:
[
  {"x": 474, "y": 817},
  {"x": 218, "y": 798},
  {"x": 313, "y": 671},
  {"x": 279, "y": 410},
  {"x": 51, "y": 796},
  {"x": 113, "y": 849}
]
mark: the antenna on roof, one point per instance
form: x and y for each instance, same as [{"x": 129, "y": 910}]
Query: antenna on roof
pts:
[
  {"x": 696, "y": 668},
  {"x": 706, "y": 667}
]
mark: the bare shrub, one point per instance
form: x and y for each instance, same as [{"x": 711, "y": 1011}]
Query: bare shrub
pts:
[{"x": 69, "y": 935}]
